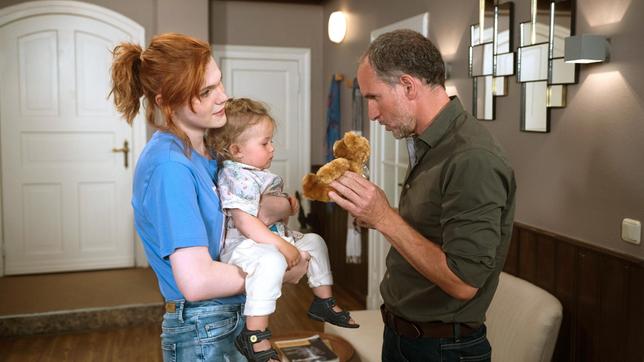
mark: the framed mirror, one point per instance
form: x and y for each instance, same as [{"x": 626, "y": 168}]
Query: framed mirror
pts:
[
  {"x": 541, "y": 68},
  {"x": 503, "y": 20},
  {"x": 561, "y": 72},
  {"x": 556, "y": 96},
  {"x": 490, "y": 56},
  {"x": 482, "y": 59},
  {"x": 534, "y": 110},
  {"x": 483, "y": 94},
  {"x": 533, "y": 62}
]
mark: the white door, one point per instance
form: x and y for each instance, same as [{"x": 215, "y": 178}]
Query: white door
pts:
[
  {"x": 388, "y": 163},
  {"x": 65, "y": 193},
  {"x": 279, "y": 78}
]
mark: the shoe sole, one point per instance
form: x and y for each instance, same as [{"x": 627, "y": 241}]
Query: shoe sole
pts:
[{"x": 318, "y": 318}]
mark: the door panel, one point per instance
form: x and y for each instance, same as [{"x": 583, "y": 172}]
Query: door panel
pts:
[
  {"x": 65, "y": 194},
  {"x": 276, "y": 83}
]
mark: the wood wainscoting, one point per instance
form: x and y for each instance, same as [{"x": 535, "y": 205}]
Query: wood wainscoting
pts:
[{"x": 602, "y": 293}]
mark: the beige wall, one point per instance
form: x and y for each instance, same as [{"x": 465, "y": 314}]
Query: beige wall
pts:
[
  {"x": 156, "y": 16},
  {"x": 279, "y": 25},
  {"x": 587, "y": 174}
]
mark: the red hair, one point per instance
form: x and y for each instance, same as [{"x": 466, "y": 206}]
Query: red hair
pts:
[{"x": 173, "y": 66}]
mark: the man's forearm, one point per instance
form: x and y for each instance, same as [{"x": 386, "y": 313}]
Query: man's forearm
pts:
[{"x": 425, "y": 256}]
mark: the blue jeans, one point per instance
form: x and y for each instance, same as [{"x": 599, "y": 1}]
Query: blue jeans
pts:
[
  {"x": 474, "y": 347},
  {"x": 201, "y": 331}
]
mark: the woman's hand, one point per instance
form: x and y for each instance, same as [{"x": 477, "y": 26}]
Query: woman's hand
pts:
[
  {"x": 293, "y": 275},
  {"x": 273, "y": 209}
]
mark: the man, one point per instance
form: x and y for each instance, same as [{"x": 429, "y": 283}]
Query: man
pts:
[{"x": 451, "y": 234}]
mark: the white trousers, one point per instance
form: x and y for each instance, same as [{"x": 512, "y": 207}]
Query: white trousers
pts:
[{"x": 265, "y": 267}]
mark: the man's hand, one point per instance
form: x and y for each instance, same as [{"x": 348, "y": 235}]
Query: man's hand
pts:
[{"x": 360, "y": 197}]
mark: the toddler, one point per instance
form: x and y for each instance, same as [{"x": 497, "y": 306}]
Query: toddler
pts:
[{"x": 245, "y": 145}]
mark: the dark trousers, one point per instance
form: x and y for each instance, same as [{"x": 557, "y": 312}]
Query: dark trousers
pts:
[{"x": 474, "y": 347}]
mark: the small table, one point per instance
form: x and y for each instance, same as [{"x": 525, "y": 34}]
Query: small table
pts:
[{"x": 339, "y": 345}]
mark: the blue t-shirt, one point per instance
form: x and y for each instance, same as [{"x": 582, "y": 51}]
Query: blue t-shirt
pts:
[{"x": 175, "y": 206}]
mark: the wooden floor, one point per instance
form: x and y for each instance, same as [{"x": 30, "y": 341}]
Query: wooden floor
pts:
[{"x": 142, "y": 343}]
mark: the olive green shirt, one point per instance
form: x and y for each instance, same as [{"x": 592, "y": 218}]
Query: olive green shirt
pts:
[{"x": 460, "y": 195}]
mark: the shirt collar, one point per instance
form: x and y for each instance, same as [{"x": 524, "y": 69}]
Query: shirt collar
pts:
[
  {"x": 231, "y": 163},
  {"x": 442, "y": 123}
]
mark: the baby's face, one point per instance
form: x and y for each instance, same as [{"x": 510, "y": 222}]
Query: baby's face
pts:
[{"x": 256, "y": 145}]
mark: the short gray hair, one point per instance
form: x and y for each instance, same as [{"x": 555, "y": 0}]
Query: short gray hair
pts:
[{"x": 405, "y": 52}]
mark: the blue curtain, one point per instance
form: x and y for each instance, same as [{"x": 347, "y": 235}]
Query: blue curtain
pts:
[{"x": 332, "y": 117}]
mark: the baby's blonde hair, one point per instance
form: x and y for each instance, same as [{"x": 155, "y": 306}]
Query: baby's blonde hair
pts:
[{"x": 241, "y": 113}]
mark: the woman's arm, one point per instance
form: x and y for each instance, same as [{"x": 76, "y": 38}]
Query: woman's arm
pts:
[
  {"x": 275, "y": 208},
  {"x": 199, "y": 277}
]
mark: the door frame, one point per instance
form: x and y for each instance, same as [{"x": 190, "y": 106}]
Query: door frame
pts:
[
  {"x": 303, "y": 58},
  {"x": 378, "y": 245},
  {"x": 136, "y": 31}
]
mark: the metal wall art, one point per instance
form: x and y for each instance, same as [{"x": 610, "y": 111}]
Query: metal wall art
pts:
[{"x": 491, "y": 58}]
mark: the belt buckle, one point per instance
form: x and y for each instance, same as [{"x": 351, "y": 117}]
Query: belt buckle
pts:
[
  {"x": 419, "y": 332},
  {"x": 170, "y": 307}
]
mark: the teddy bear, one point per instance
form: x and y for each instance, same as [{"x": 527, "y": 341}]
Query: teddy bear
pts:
[{"x": 351, "y": 153}]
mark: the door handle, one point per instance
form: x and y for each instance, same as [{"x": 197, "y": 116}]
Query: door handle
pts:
[{"x": 125, "y": 149}]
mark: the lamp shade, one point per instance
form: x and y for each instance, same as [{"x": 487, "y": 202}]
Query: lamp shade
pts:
[
  {"x": 337, "y": 26},
  {"x": 585, "y": 49}
]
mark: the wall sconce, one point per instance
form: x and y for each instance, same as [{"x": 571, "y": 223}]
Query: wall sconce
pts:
[
  {"x": 337, "y": 26},
  {"x": 587, "y": 48}
]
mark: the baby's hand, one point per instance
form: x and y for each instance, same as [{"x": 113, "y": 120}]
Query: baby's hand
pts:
[{"x": 291, "y": 254}]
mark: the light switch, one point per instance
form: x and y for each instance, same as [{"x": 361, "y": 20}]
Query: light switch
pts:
[{"x": 631, "y": 231}]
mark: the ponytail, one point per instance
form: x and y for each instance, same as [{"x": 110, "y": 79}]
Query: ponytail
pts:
[
  {"x": 173, "y": 66},
  {"x": 126, "y": 82}
]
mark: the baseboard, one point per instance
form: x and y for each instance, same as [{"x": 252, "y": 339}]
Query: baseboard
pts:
[{"x": 80, "y": 319}]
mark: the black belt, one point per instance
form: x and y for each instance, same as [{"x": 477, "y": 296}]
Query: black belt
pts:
[{"x": 409, "y": 329}]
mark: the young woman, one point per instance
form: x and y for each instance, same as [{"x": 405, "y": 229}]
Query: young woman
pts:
[{"x": 177, "y": 210}]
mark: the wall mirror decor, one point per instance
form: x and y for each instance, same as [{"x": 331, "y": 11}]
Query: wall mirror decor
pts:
[
  {"x": 541, "y": 69},
  {"x": 491, "y": 58}
]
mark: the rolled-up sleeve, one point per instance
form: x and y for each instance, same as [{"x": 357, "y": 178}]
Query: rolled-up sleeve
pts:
[{"x": 475, "y": 190}]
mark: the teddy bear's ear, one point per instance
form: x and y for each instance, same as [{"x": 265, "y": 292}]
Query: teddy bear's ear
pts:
[{"x": 353, "y": 147}]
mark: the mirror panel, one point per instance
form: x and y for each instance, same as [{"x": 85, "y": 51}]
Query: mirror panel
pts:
[
  {"x": 534, "y": 110},
  {"x": 484, "y": 100},
  {"x": 540, "y": 31},
  {"x": 533, "y": 63},
  {"x": 524, "y": 34},
  {"x": 562, "y": 24},
  {"x": 482, "y": 59},
  {"x": 499, "y": 86},
  {"x": 486, "y": 21},
  {"x": 504, "y": 64},
  {"x": 562, "y": 72},
  {"x": 475, "y": 34},
  {"x": 557, "y": 96},
  {"x": 503, "y": 21}
]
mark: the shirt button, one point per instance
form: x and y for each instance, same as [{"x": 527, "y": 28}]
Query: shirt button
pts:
[{"x": 407, "y": 186}]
